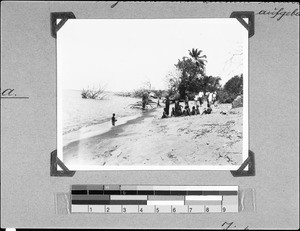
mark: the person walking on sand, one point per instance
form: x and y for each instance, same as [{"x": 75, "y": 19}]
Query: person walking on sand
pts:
[{"x": 113, "y": 119}]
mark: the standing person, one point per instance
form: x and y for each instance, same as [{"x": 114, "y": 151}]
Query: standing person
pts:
[
  {"x": 210, "y": 97},
  {"x": 196, "y": 100},
  {"x": 186, "y": 100},
  {"x": 147, "y": 97},
  {"x": 173, "y": 112},
  {"x": 187, "y": 110},
  {"x": 200, "y": 98},
  {"x": 197, "y": 110},
  {"x": 167, "y": 105},
  {"x": 145, "y": 100},
  {"x": 205, "y": 100},
  {"x": 113, "y": 119},
  {"x": 158, "y": 102},
  {"x": 176, "y": 108},
  {"x": 214, "y": 97}
]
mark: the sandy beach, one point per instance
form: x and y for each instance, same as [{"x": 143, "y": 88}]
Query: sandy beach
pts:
[{"x": 214, "y": 139}]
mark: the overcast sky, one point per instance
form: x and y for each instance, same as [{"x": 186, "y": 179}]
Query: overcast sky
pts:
[{"x": 122, "y": 54}]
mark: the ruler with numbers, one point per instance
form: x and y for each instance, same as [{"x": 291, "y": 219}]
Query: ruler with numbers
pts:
[{"x": 153, "y": 199}]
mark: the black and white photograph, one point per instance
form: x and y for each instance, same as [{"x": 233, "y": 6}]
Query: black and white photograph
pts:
[
  {"x": 161, "y": 94},
  {"x": 149, "y": 115}
]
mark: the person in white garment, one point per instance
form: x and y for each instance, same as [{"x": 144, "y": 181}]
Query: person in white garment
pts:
[
  {"x": 210, "y": 97},
  {"x": 214, "y": 97},
  {"x": 200, "y": 98}
]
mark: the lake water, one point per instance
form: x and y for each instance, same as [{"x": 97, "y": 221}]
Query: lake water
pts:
[{"x": 85, "y": 115}]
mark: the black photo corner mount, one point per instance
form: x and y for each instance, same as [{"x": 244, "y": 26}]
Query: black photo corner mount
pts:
[
  {"x": 250, "y": 161},
  {"x": 239, "y": 15},
  {"x": 63, "y": 16},
  {"x": 54, "y": 162}
]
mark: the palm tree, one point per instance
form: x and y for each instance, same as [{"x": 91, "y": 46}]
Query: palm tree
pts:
[{"x": 199, "y": 60}]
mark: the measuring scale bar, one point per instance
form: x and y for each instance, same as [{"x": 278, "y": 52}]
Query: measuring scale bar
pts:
[{"x": 153, "y": 199}]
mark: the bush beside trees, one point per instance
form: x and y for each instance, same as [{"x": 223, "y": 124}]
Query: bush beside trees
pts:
[
  {"x": 232, "y": 88},
  {"x": 188, "y": 79}
]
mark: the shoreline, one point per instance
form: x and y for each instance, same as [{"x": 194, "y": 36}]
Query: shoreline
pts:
[
  {"x": 148, "y": 140},
  {"x": 96, "y": 129},
  {"x": 108, "y": 129}
]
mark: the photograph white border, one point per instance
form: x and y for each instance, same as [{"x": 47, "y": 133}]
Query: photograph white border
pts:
[{"x": 245, "y": 148}]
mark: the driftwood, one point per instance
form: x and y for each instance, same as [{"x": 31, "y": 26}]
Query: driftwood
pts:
[{"x": 94, "y": 93}]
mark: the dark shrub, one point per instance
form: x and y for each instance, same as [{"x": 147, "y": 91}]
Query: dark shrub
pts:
[
  {"x": 226, "y": 97},
  {"x": 232, "y": 88}
]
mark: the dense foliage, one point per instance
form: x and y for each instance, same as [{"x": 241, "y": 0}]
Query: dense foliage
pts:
[
  {"x": 189, "y": 78},
  {"x": 232, "y": 89},
  {"x": 192, "y": 78}
]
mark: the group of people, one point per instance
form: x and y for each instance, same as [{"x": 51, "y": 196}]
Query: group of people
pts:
[
  {"x": 211, "y": 97},
  {"x": 178, "y": 110}
]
